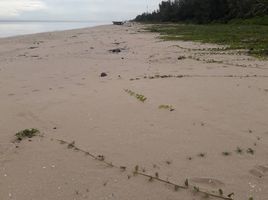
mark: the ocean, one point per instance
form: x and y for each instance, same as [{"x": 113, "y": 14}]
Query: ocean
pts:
[{"x": 14, "y": 28}]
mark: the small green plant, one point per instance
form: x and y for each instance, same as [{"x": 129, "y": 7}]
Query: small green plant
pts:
[
  {"x": 250, "y": 198},
  {"x": 140, "y": 97},
  {"x": 167, "y": 107},
  {"x": 27, "y": 133}
]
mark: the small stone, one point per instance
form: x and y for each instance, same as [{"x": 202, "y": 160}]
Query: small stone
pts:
[
  {"x": 103, "y": 74},
  {"x": 115, "y": 50}
]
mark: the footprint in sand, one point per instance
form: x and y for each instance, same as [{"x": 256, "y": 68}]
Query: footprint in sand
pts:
[
  {"x": 259, "y": 171},
  {"x": 207, "y": 182}
]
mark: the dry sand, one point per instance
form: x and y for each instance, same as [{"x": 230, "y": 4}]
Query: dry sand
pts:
[{"x": 51, "y": 81}]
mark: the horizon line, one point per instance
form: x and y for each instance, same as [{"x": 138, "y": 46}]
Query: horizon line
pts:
[{"x": 82, "y": 21}]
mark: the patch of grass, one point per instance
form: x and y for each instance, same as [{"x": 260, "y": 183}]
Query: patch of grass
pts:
[
  {"x": 140, "y": 97},
  {"x": 259, "y": 20},
  {"x": 250, "y": 37},
  {"x": 167, "y": 107},
  {"x": 27, "y": 133}
]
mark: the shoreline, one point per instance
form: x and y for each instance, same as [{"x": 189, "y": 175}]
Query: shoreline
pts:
[{"x": 175, "y": 110}]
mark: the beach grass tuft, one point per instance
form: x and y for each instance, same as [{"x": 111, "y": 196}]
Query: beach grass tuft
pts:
[
  {"x": 140, "y": 97},
  {"x": 26, "y": 133}
]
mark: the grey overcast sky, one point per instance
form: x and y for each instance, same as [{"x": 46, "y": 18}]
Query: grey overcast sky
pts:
[{"x": 101, "y": 10}]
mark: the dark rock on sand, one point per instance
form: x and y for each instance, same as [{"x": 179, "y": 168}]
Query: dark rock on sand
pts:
[
  {"x": 117, "y": 50},
  {"x": 103, "y": 74}
]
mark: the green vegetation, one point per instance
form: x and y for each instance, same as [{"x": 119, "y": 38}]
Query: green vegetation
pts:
[
  {"x": 240, "y": 24},
  {"x": 205, "y": 11},
  {"x": 140, "y": 97},
  {"x": 168, "y": 107},
  {"x": 27, "y": 133},
  {"x": 263, "y": 20},
  {"x": 253, "y": 38}
]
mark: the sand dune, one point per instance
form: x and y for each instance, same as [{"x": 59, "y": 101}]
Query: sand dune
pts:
[{"x": 201, "y": 116}]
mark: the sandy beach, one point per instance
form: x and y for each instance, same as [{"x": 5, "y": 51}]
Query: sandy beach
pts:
[{"x": 201, "y": 116}]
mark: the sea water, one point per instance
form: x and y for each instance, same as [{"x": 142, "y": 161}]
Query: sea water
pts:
[{"x": 14, "y": 28}]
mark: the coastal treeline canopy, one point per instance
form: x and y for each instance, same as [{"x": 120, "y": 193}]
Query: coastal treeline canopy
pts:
[{"x": 204, "y": 11}]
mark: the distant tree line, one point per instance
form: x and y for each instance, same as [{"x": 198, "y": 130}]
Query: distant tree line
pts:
[{"x": 205, "y": 11}]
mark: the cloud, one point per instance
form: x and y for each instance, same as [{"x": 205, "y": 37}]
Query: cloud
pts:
[
  {"x": 12, "y": 8},
  {"x": 98, "y": 9},
  {"x": 74, "y": 9}
]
